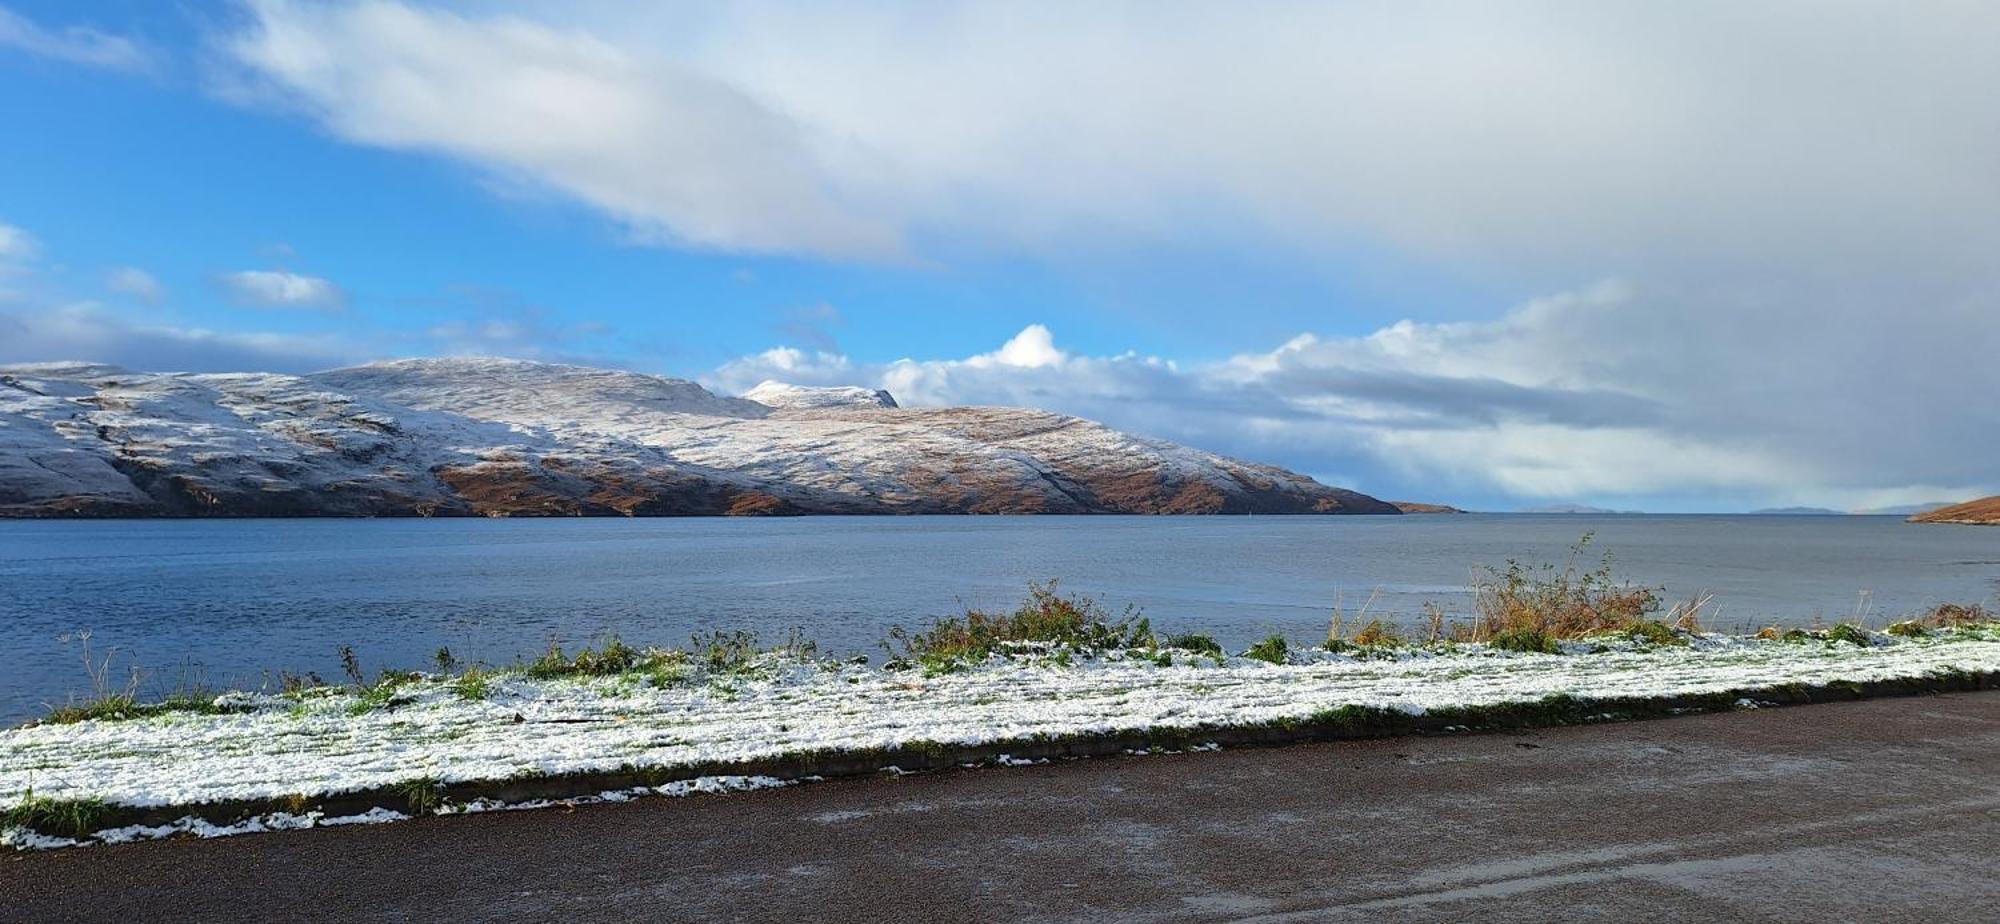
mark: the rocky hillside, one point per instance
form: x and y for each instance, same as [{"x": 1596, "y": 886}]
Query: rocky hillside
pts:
[
  {"x": 492, "y": 437},
  {"x": 1982, "y": 512}
]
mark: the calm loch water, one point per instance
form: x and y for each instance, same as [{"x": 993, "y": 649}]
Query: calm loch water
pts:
[{"x": 234, "y": 599}]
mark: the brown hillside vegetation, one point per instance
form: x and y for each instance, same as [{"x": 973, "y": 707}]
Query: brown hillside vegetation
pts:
[
  {"x": 1982, "y": 512},
  {"x": 1420, "y": 507}
]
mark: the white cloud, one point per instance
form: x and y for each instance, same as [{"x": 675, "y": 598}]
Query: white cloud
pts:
[
  {"x": 1560, "y": 136},
  {"x": 1609, "y": 392},
  {"x": 282, "y": 289},
  {"x": 801, "y": 367},
  {"x": 43, "y": 323},
  {"x": 17, "y": 245},
  {"x": 1553, "y": 461},
  {"x": 18, "y": 253},
  {"x": 74, "y": 44},
  {"x": 1033, "y": 348},
  {"x": 87, "y": 332},
  {"x": 136, "y": 283},
  {"x": 676, "y": 154}
]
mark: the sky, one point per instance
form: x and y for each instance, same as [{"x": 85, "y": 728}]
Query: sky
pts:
[{"x": 1700, "y": 256}]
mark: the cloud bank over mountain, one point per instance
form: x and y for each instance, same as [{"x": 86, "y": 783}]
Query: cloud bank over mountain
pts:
[{"x": 1606, "y": 392}]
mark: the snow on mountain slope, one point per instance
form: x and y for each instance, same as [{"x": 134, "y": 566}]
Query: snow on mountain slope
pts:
[
  {"x": 508, "y": 437},
  {"x": 779, "y": 394},
  {"x": 523, "y": 391}
]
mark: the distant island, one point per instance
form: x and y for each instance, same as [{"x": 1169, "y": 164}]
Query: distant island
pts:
[
  {"x": 501, "y": 437},
  {"x": 1420, "y": 507},
  {"x": 1575, "y": 508},
  {"x": 1902, "y": 510},
  {"x": 1982, "y": 512}
]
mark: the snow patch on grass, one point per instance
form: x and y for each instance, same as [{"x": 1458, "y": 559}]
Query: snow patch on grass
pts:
[{"x": 277, "y": 747}]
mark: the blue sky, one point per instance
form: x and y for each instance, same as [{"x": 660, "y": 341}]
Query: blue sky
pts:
[
  {"x": 115, "y": 168},
  {"x": 1560, "y": 252}
]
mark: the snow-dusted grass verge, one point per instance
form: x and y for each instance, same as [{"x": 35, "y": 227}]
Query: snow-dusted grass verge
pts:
[{"x": 333, "y": 754}]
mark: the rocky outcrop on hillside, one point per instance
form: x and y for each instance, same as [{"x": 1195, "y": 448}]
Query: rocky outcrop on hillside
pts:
[{"x": 453, "y": 437}]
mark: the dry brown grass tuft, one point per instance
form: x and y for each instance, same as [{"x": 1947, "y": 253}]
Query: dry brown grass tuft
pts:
[
  {"x": 1946, "y": 615},
  {"x": 1687, "y": 614},
  {"x": 1377, "y": 632},
  {"x": 1563, "y": 603},
  {"x": 1434, "y": 624}
]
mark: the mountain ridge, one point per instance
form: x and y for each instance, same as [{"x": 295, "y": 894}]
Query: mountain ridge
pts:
[{"x": 504, "y": 437}]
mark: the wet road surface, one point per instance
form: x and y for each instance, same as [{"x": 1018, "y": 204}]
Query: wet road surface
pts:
[{"x": 1886, "y": 810}]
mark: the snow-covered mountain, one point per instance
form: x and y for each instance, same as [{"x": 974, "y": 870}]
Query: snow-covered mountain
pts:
[
  {"x": 509, "y": 437},
  {"x": 779, "y": 394}
]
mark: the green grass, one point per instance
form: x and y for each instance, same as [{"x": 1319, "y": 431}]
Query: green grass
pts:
[
  {"x": 386, "y": 693},
  {"x": 1845, "y": 632},
  {"x": 725, "y": 652},
  {"x": 667, "y": 673},
  {"x": 424, "y": 794},
  {"x": 1197, "y": 643},
  {"x": 1653, "y": 632},
  {"x": 473, "y": 685},
  {"x": 615, "y": 657},
  {"x": 1047, "y": 621},
  {"x": 1272, "y": 649},
  {"x": 1849, "y": 632},
  {"x": 127, "y": 706},
  {"x": 1524, "y": 639},
  {"x": 56, "y": 817}
]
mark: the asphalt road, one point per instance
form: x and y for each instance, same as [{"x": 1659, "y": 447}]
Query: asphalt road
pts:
[{"x": 1887, "y": 810}]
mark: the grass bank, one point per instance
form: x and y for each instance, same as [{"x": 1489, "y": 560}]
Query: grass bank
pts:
[
  {"x": 1059, "y": 676},
  {"x": 428, "y": 746}
]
